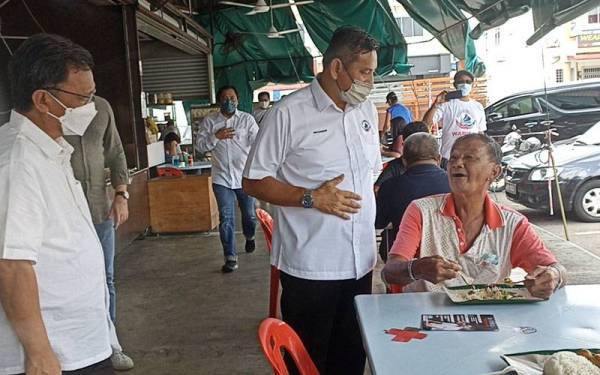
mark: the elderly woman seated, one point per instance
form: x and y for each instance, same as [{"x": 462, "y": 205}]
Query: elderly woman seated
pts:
[{"x": 466, "y": 231}]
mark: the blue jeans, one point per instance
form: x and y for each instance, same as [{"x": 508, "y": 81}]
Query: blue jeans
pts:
[
  {"x": 106, "y": 234},
  {"x": 226, "y": 202}
]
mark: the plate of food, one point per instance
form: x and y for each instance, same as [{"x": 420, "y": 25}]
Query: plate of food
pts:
[
  {"x": 481, "y": 294},
  {"x": 555, "y": 362}
]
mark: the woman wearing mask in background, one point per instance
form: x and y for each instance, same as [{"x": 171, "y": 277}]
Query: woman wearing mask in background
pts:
[
  {"x": 229, "y": 134},
  {"x": 456, "y": 117}
]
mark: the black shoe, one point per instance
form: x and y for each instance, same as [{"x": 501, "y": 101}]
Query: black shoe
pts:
[
  {"x": 250, "y": 246},
  {"x": 229, "y": 266}
]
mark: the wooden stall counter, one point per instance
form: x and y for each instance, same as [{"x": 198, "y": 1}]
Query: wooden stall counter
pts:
[{"x": 182, "y": 204}]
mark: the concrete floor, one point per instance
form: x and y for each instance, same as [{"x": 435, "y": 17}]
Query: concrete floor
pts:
[{"x": 178, "y": 315}]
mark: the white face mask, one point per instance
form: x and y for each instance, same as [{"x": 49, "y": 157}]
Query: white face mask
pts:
[
  {"x": 464, "y": 88},
  {"x": 357, "y": 93},
  {"x": 75, "y": 121},
  {"x": 263, "y": 104}
]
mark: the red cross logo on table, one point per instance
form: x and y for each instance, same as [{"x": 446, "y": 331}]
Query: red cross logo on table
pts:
[{"x": 405, "y": 335}]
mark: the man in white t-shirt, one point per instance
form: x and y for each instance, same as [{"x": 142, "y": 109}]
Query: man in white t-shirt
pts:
[
  {"x": 456, "y": 117},
  {"x": 54, "y": 316}
]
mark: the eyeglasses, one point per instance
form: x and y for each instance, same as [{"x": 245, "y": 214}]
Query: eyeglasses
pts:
[{"x": 88, "y": 98}]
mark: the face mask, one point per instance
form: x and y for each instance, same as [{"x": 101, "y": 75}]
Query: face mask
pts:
[
  {"x": 357, "y": 93},
  {"x": 228, "y": 106},
  {"x": 263, "y": 104},
  {"x": 75, "y": 121},
  {"x": 464, "y": 88}
]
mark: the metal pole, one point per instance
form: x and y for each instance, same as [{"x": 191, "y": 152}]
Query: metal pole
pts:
[{"x": 558, "y": 193}]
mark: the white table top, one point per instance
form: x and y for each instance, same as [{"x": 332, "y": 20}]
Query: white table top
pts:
[{"x": 570, "y": 319}]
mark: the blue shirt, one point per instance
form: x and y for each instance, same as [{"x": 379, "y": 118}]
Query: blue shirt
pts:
[
  {"x": 398, "y": 110},
  {"x": 397, "y": 193}
]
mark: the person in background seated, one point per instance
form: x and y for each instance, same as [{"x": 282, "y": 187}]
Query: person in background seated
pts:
[
  {"x": 264, "y": 104},
  {"x": 171, "y": 143},
  {"x": 466, "y": 231},
  {"x": 229, "y": 134},
  {"x": 396, "y": 167},
  {"x": 423, "y": 177}
]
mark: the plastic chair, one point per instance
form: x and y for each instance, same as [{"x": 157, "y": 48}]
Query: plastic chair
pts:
[
  {"x": 275, "y": 335},
  {"x": 170, "y": 172},
  {"x": 266, "y": 222}
]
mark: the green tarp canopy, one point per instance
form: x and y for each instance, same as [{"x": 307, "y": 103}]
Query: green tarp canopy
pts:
[
  {"x": 321, "y": 18},
  {"x": 247, "y": 60}
]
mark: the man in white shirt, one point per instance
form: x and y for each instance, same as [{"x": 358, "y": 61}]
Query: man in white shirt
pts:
[
  {"x": 264, "y": 104},
  {"x": 314, "y": 158},
  {"x": 458, "y": 117},
  {"x": 229, "y": 134},
  {"x": 54, "y": 314}
]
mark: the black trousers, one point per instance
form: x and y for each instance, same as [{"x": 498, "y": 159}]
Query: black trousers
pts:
[
  {"x": 100, "y": 368},
  {"x": 323, "y": 315}
]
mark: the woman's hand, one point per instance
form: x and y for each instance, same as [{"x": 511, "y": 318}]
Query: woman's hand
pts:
[{"x": 435, "y": 269}]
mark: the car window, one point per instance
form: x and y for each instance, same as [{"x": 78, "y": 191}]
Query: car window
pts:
[
  {"x": 586, "y": 98},
  {"x": 516, "y": 107}
]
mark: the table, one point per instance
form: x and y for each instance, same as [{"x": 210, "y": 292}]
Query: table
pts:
[
  {"x": 182, "y": 204},
  {"x": 195, "y": 168},
  {"x": 570, "y": 319}
]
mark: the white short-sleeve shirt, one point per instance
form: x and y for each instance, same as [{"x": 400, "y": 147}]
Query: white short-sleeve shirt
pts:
[
  {"x": 458, "y": 118},
  {"x": 306, "y": 140},
  {"x": 45, "y": 219},
  {"x": 228, "y": 155}
]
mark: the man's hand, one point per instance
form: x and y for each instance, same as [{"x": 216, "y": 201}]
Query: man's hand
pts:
[
  {"x": 119, "y": 211},
  {"x": 42, "y": 364},
  {"x": 440, "y": 98},
  {"x": 435, "y": 269},
  {"x": 331, "y": 200},
  {"x": 542, "y": 281},
  {"x": 225, "y": 133}
]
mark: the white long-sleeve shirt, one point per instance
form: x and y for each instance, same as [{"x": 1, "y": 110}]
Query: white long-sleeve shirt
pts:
[{"x": 228, "y": 155}]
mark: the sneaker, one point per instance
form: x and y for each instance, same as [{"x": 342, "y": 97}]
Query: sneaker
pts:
[
  {"x": 250, "y": 246},
  {"x": 121, "y": 361},
  {"x": 229, "y": 266}
]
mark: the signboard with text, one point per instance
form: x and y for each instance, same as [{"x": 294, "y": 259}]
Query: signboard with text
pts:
[{"x": 589, "y": 39}]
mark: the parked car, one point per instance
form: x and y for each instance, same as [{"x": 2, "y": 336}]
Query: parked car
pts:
[
  {"x": 571, "y": 109},
  {"x": 578, "y": 166}
]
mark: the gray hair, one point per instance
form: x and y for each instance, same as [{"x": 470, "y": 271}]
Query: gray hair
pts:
[
  {"x": 493, "y": 148},
  {"x": 420, "y": 146}
]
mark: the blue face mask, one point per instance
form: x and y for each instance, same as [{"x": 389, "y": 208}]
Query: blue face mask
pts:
[{"x": 228, "y": 106}]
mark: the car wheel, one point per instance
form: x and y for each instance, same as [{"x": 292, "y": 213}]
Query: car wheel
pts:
[{"x": 587, "y": 202}]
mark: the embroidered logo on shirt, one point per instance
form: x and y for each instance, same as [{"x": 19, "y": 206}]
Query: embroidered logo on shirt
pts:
[
  {"x": 489, "y": 259},
  {"x": 366, "y": 126}
]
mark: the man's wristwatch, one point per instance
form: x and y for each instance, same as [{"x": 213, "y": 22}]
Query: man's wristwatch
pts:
[
  {"x": 307, "y": 200},
  {"x": 124, "y": 194}
]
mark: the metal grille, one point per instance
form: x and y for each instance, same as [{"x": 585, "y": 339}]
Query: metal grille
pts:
[
  {"x": 183, "y": 77},
  {"x": 591, "y": 73}
]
